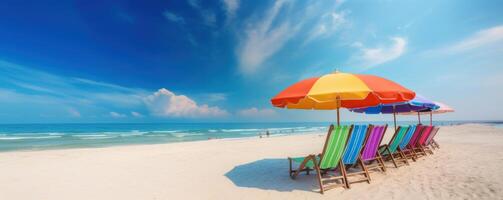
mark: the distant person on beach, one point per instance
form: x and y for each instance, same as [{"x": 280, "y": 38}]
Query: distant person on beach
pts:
[{"x": 267, "y": 133}]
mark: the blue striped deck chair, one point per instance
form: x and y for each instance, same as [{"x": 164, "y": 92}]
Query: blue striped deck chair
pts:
[{"x": 352, "y": 153}]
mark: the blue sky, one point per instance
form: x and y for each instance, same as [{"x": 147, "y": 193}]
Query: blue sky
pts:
[{"x": 178, "y": 61}]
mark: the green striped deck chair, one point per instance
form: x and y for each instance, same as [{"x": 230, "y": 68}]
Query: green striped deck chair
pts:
[
  {"x": 329, "y": 160},
  {"x": 390, "y": 151}
]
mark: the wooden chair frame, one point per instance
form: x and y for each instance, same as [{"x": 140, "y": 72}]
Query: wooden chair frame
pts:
[
  {"x": 321, "y": 174},
  {"x": 397, "y": 156}
]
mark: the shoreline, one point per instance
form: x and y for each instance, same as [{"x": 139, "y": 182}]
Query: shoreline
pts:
[
  {"x": 238, "y": 137},
  {"x": 249, "y": 168}
]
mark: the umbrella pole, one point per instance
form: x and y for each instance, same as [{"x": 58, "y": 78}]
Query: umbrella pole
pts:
[
  {"x": 431, "y": 119},
  {"x": 338, "y": 115},
  {"x": 338, "y": 123},
  {"x": 394, "y": 117},
  {"x": 419, "y": 117}
]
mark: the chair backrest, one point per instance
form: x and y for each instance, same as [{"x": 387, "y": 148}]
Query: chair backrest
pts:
[
  {"x": 334, "y": 146},
  {"x": 425, "y": 135},
  {"x": 407, "y": 137},
  {"x": 432, "y": 135},
  {"x": 373, "y": 141},
  {"x": 355, "y": 143},
  {"x": 397, "y": 138},
  {"x": 417, "y": 134}
]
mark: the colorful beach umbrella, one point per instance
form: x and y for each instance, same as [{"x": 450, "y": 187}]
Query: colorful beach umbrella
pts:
[
  {"x": 341, "y": 90},
  {"x": 440, "y": 109},
  {"x": 419, "y": 103}
]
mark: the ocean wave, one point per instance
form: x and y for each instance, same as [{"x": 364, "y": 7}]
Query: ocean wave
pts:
[
  {"x": 28, "y": 137},
  {"x": 242, "y": 130},
  {"x": 55, "y": 134},
  {"x": 180, "y": 135},
  {"x": 167, "y": 131},
  {"x": 91, "y": 135},
  {"x": 212, "y": 131},
  {"x": 98, "y": 137},
  {"x": 133, "y": 133}
]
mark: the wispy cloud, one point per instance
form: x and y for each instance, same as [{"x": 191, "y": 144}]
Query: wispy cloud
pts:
[
  {"x": 136, "y": 114},
  {"x": 488, "y": 37},
  {"x": 328, "y": 24},
  {"x": 230, "y": 7},
  {"x": 173, "y": 17},
  {"x": 117, "y": 115},
  {"x": 168, "y": 104},
  {"x": 213, "y": 97},
  {"x": 266, "y": 34},
  {"x": 255, "y": 112},
  {"x": 209, "y": 17},
  {"x": 371, "y": 57},
  {"x": 73, "y": 112},
  {"x": 262, "y": 39}
]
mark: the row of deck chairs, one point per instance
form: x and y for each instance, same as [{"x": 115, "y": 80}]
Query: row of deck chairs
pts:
[{"x": 356, "y": 151}]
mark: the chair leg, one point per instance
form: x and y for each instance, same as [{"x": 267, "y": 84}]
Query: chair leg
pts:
[
  {"x": 318, "y": 175},
  {"x": 290, "y": 169},
  {"x": 404, "y": 158},
  {"x": 364, "y": 168},
  {"x": 344, "y": 174},
  {"x": 392, "y": 157},
  {"x": 436, "y": 144},
  {"x": 381, "y": 162}
]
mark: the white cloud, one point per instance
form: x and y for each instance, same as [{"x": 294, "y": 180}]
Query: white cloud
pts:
[
  {"x": 73, "y": 112},
  {"x": 230, "y": 7},
  {"x": 255, "y": 112},
  {"x": 371, "y": 57},
  {"x": 136, "y": 114},
  {"x": 173, "y": 17},
  {"x": 328, "y": 24},
  {"x": 117, "y": 115},
  {"x": 168, "y": 104},
  {"x": 209, "y": 17},
  {"x": 262, "y": 36},
  {"x": 215, "y": 97},
  {"x": 491, "y": 36},
  {"x": 262, "y": 39}
]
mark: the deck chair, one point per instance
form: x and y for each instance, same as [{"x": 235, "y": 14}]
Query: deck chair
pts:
[
  {"x": 430, "y": 141},
  {"x": 388, "y": 151},
  {"x": 406, "y": 147},
  {"x": 352, "y": 156},
  {"x": 418, "y": 146},
  {"x": 329, "y": 159},
  {"x": 422, "y": 141},
  {"x": 370, "y": 154}
]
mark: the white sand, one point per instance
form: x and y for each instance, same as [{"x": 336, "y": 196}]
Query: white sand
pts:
[{"x": 469, "y": 165}]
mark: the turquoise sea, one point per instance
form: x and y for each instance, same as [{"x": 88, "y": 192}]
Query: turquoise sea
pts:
[{"x": 56, "y": 136}]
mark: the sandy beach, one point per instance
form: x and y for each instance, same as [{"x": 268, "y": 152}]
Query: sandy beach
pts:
[{"x": 469, "y": 165}]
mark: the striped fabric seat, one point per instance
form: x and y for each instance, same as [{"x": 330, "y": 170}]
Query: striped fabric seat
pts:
[
  {"x": 395, "y": 141},
  {"x": 355, "y": 144},
  {"x": 370, "y": 150},
  {"x": 407, "y": 137},
  {"x": 330, "y": 158},
  {"x": 334, "y": 148}
]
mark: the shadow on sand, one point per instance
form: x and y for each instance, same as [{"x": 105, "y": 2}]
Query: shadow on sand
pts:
[{"x": 270, "y": 174}]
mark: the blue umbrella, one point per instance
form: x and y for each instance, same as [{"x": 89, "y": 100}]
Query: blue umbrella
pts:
[{"x": 419, "y": 103}]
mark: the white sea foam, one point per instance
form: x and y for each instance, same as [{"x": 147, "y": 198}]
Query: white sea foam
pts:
[
  {"x": 97, "y": 137},
  {"x": 28, "y": 137},
  {"x": 167, "y": 131},
  {"x": 241, "y": 130},
  {"x": 180, "y": 135}
]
